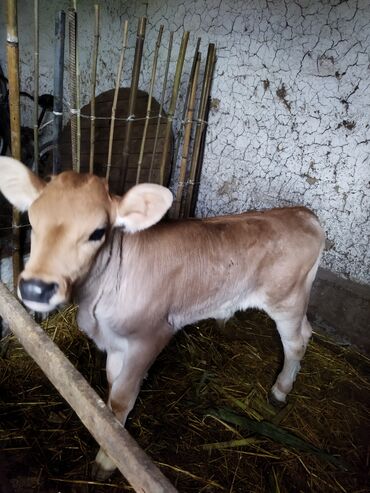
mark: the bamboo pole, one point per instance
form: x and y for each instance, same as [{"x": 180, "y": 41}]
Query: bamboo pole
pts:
[
  {"x": 172, "y": 108},
  {"x": 93, "y": 88},
  {"x": 194, "y": 181},
  {"x": 36, "y": 89},
  {"x": 132, "y": 100},
  {"x": 60, "y": 20},
  {"x": 149, "y": 105},
  {"x": 15, "y": 121},
  {"x": 177, "y": 209},
  {"x": 201, "y": 126},
  {"x": 163, "y": 95},
  {"x": 130, "y": 459},
  {"x": 115, "y": 98},
  {"x": 182, "y": 123},
  {"x": 72, "y": 25}
]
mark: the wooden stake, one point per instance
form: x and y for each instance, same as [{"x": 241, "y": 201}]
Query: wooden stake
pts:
[
  {"x": 15, "y": 120},
  {"x": 177, "y": 210},
  {"x": 130, "y": 459},
  {"x": 115, "y": 98},
  {"x": 172, "y": 108},
  {"x": 201, "y": 127},
  {"x": 36, "y": 89},
  {"x": 149, "y": 105},
  {"x": 164, "y": 88},
  {"x": 132, "y": 100},
  {"x": 72, "y": 25},
  {"x": 93, "y": 87},
  {"x": 60, "y": 21}
]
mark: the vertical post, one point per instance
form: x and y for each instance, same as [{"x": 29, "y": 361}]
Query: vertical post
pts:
[
  {"x": 177, "y": 210},
  {"x": 60, "y": 20},
  {"x": 15, "y": 120},
  {"x": 194, "y": 181},
  {"x": 132, "y": 99},
  {"x": 169, "y": 51},
  {"x": 149, "y": 105},
  {"x": 72, "y": 29},
  {"x": 172, "y": 108},
  {"x": 201, "y": 127},
  {"x": 78, "y": 98},
  {"x": 36, "y": 89},
  {"x": 93, "y": 87},
  {"x": 115, "y": 98},
  {"x": 182, "y": 123}
]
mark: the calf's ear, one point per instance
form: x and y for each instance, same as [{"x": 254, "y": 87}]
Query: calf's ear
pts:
[
  {"x": 142, "y": 206},
  {"x": 18, "y": 184}
]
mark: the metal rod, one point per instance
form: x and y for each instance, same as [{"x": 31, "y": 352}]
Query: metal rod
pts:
[
  {"x": 36, "y": 89},
  {"x": 172, "y": 108},
  {"x": 93, "y": 87},
  {"x": 72, "y": 21},
  {"x": 130, "y": 459},
  {"x": 201, "y": 127},
  {"x": 15, "y": 121},
  {"x": 132, "y": 100},
  {"x": 177, "y": 212},
  {"x": 78, "y": 95},
  {"x": 115, "y": 98},
  {"x": 163, "y": 95},
  {"x": 60, "y": 21},
  {"x": 149, "y": 105}
]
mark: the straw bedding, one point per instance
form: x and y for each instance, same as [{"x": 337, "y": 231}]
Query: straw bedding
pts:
[{"x": 202, "y": 414}]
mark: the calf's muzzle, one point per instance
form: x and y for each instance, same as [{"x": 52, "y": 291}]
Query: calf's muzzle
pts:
[{"x": 36, "y": 290}]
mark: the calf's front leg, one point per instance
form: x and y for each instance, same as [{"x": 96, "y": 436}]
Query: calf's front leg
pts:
[{"x": 126, "y": 369}]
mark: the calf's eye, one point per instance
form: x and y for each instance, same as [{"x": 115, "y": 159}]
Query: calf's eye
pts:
[{"x": 97, "y": 234}]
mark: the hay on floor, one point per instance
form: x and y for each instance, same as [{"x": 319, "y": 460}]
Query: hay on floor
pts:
[{"x": 202, "y": 414}]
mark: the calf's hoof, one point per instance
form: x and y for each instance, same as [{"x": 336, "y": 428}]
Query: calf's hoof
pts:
[
  {"x": 276, "y": 398},
  {"x": 103, "y": 467}
]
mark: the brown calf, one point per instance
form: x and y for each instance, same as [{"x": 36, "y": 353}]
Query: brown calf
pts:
[{"x": 137, "y": 282}]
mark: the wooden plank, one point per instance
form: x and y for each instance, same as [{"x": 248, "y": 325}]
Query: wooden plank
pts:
[{"x": 130, "y": 459}]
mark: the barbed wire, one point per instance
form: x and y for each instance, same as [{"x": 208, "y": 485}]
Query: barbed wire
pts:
[{"x": 15, "y": 226}]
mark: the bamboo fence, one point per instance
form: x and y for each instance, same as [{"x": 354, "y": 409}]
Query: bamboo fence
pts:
[
  {"x": 194, "y": 176},
  {"x": 164, "y": 88},
  {"x": 149, "y": 105},
  {"x": 188, "y": 125},
  {"x": 15, "y": 120},
  {"x": 132, "y": 100},
  {"x": 93, "y": 87},
  {"x": 36, "y": 89},
  {"x": 172, "y": 106},
  {"x": 73, "y": 82},
  {"x": 58, "y": 88},
  {"x": 115, "y": 98}
]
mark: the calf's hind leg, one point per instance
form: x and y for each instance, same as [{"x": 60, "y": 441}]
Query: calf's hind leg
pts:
[{"x": 295, "y": 332}]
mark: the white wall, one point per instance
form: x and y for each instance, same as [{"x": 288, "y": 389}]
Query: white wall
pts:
[{"x": 291, "y": 95}]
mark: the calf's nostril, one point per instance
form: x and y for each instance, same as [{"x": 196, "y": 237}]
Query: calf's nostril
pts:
[{"x": 37, "y": 290}]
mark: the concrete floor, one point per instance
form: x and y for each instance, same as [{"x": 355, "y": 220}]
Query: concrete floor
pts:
[{"x": 342, "y": 309}]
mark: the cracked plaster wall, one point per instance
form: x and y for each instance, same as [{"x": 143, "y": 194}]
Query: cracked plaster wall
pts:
[{"x": 291, "y": 101}]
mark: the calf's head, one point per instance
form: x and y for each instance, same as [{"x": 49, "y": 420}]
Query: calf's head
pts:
[{"x": 71, "y": 217}]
